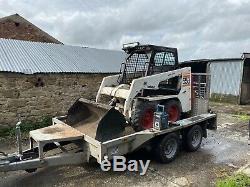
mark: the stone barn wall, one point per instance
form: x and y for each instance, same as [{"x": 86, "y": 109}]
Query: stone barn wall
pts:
[{"x": 31, "y": 97}]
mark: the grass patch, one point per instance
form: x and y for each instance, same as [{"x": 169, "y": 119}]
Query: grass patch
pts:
[
  {"x": 239, "y": 180},
  {"x": 225, "y": 98},
  {"x": 26, "y": 126},
  {"x": 243, "y": 117}
]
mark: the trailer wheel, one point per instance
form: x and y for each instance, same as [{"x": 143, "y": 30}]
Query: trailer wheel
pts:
[
  {"x": 168, "y": 148},
  {"x": 143, "y": 115},
  {"x": 173, "y": 109},
  {"x": 193, "y": 138}
]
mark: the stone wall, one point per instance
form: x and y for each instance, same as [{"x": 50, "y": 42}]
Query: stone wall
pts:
[{"x": 31, "y": 97}]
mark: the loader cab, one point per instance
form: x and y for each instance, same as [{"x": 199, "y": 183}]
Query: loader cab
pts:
[{"x": 145, "y": 60}]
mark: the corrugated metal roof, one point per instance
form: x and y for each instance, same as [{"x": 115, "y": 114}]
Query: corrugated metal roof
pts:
[
  {"x": 198, "y": 61},
  {"x": 34, "y": 57}
]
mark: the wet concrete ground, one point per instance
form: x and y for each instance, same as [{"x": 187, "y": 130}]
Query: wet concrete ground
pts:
[{"x": 222, "y": 153}]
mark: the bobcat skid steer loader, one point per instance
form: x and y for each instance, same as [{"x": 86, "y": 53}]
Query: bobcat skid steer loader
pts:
[{"x": 150, "y": 76}]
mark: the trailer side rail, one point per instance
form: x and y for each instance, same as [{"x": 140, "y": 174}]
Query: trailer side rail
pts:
[{"x": 129, "y": 143}]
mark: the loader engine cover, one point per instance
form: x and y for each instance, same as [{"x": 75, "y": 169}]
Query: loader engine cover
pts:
[{"x": 99, "y": 121}]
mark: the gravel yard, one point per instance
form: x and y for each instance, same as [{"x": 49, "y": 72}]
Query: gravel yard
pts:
[{"x": 222, "y": 153}]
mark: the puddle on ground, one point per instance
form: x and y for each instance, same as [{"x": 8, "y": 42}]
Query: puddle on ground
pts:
[{"x": 226, "y": 150}]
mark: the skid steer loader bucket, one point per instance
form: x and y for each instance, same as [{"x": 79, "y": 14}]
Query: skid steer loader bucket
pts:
[{"x": 99, "y": 121}]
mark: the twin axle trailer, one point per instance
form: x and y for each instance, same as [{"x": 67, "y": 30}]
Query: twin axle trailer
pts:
[
  {"x": 61, "y": 144},
  {"x": 150, "y": 77}
]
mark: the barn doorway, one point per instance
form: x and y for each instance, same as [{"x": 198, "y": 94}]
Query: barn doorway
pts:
[{"x": 245, "y": 86}]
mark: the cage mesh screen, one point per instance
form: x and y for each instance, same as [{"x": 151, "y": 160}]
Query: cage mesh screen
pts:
[
  {"x": 135, "y": 66},
  {"x": 164, "y": 58},
  {"x": 162, "y": 62}
]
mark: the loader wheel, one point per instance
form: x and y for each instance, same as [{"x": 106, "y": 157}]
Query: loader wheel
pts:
[
  {"x": 173, "y": 109},
  {"x": 168, "y": 148},
  {"x": 143, "y": 115},
  {"x": 193, "y": 138}
]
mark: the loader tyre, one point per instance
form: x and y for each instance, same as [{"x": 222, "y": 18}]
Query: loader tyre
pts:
[
  {"x": 143, "y": 115},
  {"x": 168, "y": 148},
  {"x": 173, "y": 109},
  {"x": 193, "y": 138}
]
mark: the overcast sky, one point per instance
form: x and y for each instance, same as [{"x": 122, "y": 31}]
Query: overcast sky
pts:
[{"x": 198, "y": 28}]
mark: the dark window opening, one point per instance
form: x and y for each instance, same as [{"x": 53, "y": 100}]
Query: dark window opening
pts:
[
  {"x": 39, "y": 83},
  {"x": 17, "y": 24},
  {"x": 172, "y": 84},
  {"x": 245, "y": 85}
]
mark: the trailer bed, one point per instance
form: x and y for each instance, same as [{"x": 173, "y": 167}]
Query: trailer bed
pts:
[
  {"x": 54, "y": 133},
  {"x": 60, "y": 134}
]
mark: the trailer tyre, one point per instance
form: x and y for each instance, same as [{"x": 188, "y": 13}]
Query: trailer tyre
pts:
[
  {"x": 193, "y": 138},
  {"x": 168, "y": 148}
]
